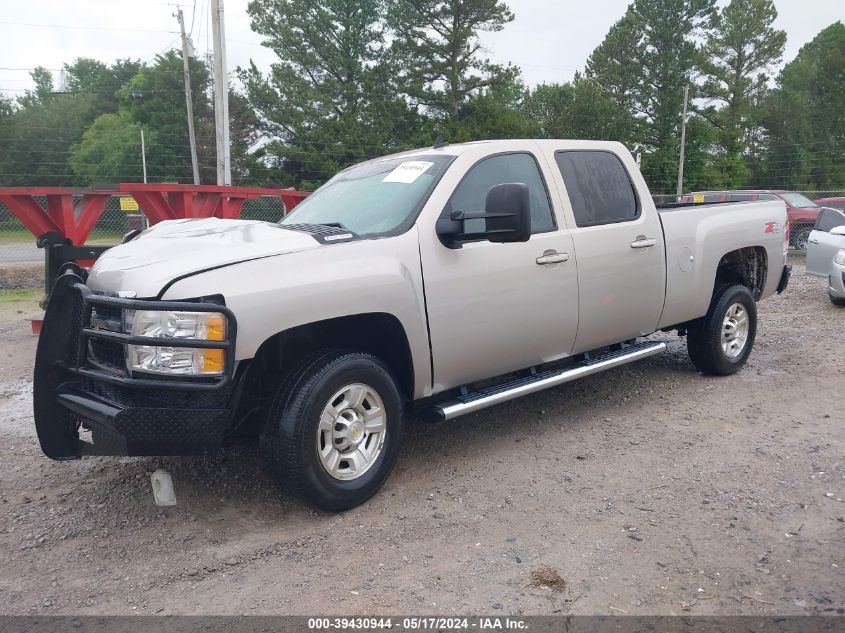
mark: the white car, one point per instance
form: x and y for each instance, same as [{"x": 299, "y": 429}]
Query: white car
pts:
[{"x": 826, "y": 252}]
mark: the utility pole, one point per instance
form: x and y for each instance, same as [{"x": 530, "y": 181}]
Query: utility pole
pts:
[
  {"x": 186, "y": 71},
  {"x": 683, "y": 144},
  {"x": 143, "y": 156},
  {"x": 221, "y": 95}
]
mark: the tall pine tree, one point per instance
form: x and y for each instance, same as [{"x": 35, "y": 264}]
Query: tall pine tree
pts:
[
  {"x": 805, "y": 117},
  {"x": 329, "y": 100},
  {"x": 742, "y": 46},
  {"x": 644, "y": 63},
  {"x": 441, "y": 59}
]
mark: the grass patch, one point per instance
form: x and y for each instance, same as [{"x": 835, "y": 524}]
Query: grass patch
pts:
[
  {"x": 21, "y": 295},
  {"x": 20, "y": 304},
  {"x": 11, "y": 236}
]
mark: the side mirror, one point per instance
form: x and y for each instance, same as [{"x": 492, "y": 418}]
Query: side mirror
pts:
[
  {"x": 838, "y": 230},
  {"x": 507, "y": 215}
]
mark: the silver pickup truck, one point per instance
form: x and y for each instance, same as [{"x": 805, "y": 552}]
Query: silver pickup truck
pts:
[{"x": 440, "y": 281}]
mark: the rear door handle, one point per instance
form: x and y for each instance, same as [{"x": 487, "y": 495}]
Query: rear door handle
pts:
[
  {"x": 643, "y": 242},
  {"x": 552, "y": 257},
  {"x": 813, "y": 241}
]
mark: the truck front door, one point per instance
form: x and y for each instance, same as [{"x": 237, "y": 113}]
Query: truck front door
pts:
[
  {"x": 495, "y": 308},
  {"x": 619, "y": 244}
]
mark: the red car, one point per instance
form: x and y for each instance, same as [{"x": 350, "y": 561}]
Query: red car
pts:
[
  {"x": 834, "y": 203},
  {"x": 801, "y": 210}
]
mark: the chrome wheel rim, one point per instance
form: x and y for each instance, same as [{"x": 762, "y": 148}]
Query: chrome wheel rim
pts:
[
  {"x": 735, "y": 330},
  {"x": 351, "y": 433},
  {"x": 801, "y": 239}
]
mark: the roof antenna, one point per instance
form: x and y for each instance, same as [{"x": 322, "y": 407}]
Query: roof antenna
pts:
[{"x": 439, "y": 142}]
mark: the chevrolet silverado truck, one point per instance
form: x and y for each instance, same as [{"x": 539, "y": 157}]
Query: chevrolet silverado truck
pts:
[{"x": 439, "y": 281}]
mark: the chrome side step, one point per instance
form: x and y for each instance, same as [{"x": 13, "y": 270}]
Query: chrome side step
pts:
[{"x": 475, "y": 401}]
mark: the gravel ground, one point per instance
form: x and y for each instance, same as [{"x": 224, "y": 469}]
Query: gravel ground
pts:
[
  {"x": 19, "y": 275},
  {"x": 647, "y": 490},
  {"x": 21, "y": 252}
]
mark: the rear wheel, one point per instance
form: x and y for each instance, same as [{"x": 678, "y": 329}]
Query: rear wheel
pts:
[
  {"x": 335, "y": 429},
  {"x": 720, "y": 342}
]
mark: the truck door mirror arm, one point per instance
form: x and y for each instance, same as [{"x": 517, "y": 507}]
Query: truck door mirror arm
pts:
[{"x": 507, "y": 215}]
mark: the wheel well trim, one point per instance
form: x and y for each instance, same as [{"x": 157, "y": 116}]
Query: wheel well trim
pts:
[{"x": 405, "y": 372}]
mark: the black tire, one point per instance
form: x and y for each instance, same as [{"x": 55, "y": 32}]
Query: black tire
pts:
[
  {"x": 704, "y": 337},
  {"x": 836, "y": 300},
  {"x": 290, "y": 443}
]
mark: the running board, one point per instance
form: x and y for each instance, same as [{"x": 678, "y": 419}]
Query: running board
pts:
[{"x": 475, "y": 401}]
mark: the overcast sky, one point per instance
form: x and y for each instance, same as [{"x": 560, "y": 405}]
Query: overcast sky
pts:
[{"x": 549, "y": 40}]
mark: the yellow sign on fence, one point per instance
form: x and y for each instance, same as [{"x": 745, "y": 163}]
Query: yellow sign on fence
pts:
[
  {"x": 128, "y": 203},
  {"x": 697, "y": 198}
]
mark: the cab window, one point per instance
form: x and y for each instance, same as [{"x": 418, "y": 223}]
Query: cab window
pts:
[
  {"x": 471, "y": 193},
  {"x": 599, "y": 188}
]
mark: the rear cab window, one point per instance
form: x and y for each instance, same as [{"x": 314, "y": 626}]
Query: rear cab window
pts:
[{"x": 599, "y": 187}]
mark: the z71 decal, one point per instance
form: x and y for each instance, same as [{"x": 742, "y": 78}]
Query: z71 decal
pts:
[{"x": 772, "y": 227}]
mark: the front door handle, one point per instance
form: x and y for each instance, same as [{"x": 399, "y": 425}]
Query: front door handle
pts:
[
  {"x": 643, "y": 242},
  {"x": 552, "y": 257}
]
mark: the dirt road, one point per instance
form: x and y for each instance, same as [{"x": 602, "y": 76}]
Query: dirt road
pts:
[{"x": 649, "y": 490}]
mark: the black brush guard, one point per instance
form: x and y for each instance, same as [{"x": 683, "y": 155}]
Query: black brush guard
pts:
[{"x": 125, "y": 414}]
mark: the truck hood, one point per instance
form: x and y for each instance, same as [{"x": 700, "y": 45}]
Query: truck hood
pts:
[{"x": 179, "y": 248}]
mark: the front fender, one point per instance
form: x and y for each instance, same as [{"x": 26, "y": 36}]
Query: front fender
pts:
[{"x": 274, "y": 294}]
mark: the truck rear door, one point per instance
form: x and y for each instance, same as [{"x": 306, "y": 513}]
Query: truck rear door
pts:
[
  {"x": 618, "y": 242},
  {"x": 822, "y": 244}
]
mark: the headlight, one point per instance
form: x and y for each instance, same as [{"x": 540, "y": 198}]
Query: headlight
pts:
[
  {"x": 839, "y": 258},
  {"x": 202, "y": 326}
]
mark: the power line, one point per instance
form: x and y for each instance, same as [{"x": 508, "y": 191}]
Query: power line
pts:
[
  {"x": 66, "y": 27},
  {"x": 30, "y": 69},
  {"x": 92, "y": 92},
  {"x": 193, "y": 15}
]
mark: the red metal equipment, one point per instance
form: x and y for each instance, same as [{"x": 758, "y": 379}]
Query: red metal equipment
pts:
[
  {"x": 61, "y": 216},
  {"x": 62, "y": 228},
  {"x": 171, "y": 202},
  {"x": 158, "y": 202}
]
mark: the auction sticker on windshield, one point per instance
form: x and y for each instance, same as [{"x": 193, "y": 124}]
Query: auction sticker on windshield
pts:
[{"x": 408, "y": 171}]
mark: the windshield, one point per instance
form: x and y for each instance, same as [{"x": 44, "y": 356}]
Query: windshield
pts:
[
  {"x": 375, "y": 198},
  {"x": 797, "y": 200}
]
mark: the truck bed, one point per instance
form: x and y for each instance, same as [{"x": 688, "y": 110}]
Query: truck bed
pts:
[{"x": 698, "y": 236}]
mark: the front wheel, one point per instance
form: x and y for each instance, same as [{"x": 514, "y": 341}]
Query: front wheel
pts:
[
  {"x": 720, "y": 342},
  {"x": 334, "y": 430},
  {"x": 837, "y": 301}
]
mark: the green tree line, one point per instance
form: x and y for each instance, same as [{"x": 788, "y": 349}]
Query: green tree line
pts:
[{"x": 355, "y": 79}]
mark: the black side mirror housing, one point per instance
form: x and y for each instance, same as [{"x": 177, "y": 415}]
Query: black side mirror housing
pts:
[{"x": 507, "y": 215}]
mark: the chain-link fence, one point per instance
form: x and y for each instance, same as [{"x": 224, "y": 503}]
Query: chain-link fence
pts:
[{"x": 22, "y": 263}]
